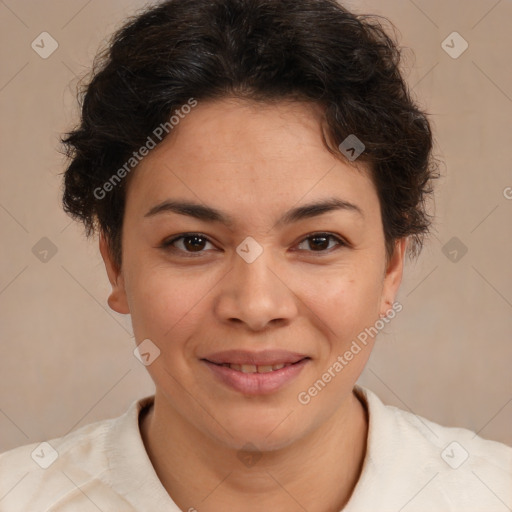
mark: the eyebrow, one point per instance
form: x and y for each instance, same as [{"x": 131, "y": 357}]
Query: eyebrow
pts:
[{"x": 209, "y": 214}]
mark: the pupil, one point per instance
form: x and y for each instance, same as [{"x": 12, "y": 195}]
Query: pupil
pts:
[
  {"x": 322, "y": 244},
  {"x": 195, "y": 238}
]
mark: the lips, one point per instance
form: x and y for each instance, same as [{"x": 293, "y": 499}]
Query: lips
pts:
[
  {"x": 254, "y": 379},
  {"x": 250, "y": 362}
]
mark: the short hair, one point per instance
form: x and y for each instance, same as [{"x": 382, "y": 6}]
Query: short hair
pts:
[{"x": 262, "y": 50}]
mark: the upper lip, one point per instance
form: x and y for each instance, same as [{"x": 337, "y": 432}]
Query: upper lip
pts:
[{"x": 263, "y": 358}]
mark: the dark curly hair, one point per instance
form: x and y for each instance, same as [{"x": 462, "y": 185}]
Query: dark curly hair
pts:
[{"x": 262, "y": 50}]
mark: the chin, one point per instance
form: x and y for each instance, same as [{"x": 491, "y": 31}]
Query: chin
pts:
[{"x": 266, "y": 435}]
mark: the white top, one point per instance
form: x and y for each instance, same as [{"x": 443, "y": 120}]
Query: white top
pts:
[{"x": 411, "y": 465}]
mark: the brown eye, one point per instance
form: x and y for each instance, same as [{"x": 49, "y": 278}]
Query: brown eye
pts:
[
  {"x": 188, "y": 243},
  {"x": 194, "y": 243},
  {"x": 319, "y": 242}
]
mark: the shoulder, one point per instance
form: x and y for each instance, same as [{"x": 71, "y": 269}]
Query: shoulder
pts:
[
  {"x": 53, "y": 474},
  {"x": 457, "y": 447},
  {"x": 447, "y": 466}
]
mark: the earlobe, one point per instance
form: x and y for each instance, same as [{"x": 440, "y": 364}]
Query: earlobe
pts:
[
  {"x": 393, "y": 276},
  {"x": 117, "y": 299}
]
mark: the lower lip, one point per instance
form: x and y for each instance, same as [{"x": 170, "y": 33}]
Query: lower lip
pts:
[{"x": 257, "y": 383}]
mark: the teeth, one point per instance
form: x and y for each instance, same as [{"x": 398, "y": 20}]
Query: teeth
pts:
[
  {"x": 251, "y": 368},
  {"x": 248, "y": 368}
]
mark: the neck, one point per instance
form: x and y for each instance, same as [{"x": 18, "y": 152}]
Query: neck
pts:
[{"x": 316, "y": 473}]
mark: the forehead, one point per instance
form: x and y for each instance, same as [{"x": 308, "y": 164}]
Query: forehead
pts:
[{"x": 231, "y": 152}]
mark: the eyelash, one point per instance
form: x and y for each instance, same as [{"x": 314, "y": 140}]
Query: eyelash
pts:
[{"x": 167, "y": 244}]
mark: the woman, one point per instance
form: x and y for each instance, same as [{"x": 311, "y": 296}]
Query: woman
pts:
[{"x": 257, "y": 173}]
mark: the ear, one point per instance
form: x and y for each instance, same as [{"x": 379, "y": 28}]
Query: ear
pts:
[
  {"x": 393, "y": 276},
  {"x": 117, "y": 299}
]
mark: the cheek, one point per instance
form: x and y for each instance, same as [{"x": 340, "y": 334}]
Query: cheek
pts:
[
  {"x": 345, "y": 301},
  {"x": 166, "y": 305}
]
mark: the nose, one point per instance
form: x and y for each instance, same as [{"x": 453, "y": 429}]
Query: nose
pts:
[{"x": 256, "y": 294}]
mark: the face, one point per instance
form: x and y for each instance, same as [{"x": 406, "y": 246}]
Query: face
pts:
[{"x": 248, "y": 267}]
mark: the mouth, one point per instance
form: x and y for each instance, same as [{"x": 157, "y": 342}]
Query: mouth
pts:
[
  {"x": 256, "y": 379},
  {"x": 252, "y": 368}
]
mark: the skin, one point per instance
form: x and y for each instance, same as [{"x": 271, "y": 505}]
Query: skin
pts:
[{"x": 253, "y": 162}]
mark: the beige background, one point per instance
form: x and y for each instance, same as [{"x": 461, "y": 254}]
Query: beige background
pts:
[{"x": 67, "y": 359}]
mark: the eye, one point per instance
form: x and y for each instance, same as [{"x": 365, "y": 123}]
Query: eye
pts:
[
  {"x": 319, "y": 242},
  {"x": 194, "y": 243},
  {"x": 190, "y": 243}
]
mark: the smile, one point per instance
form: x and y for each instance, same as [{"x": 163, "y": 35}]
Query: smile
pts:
[
  {"x": 250, "y": 379},
  {"x": 251, "y": 368}
]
